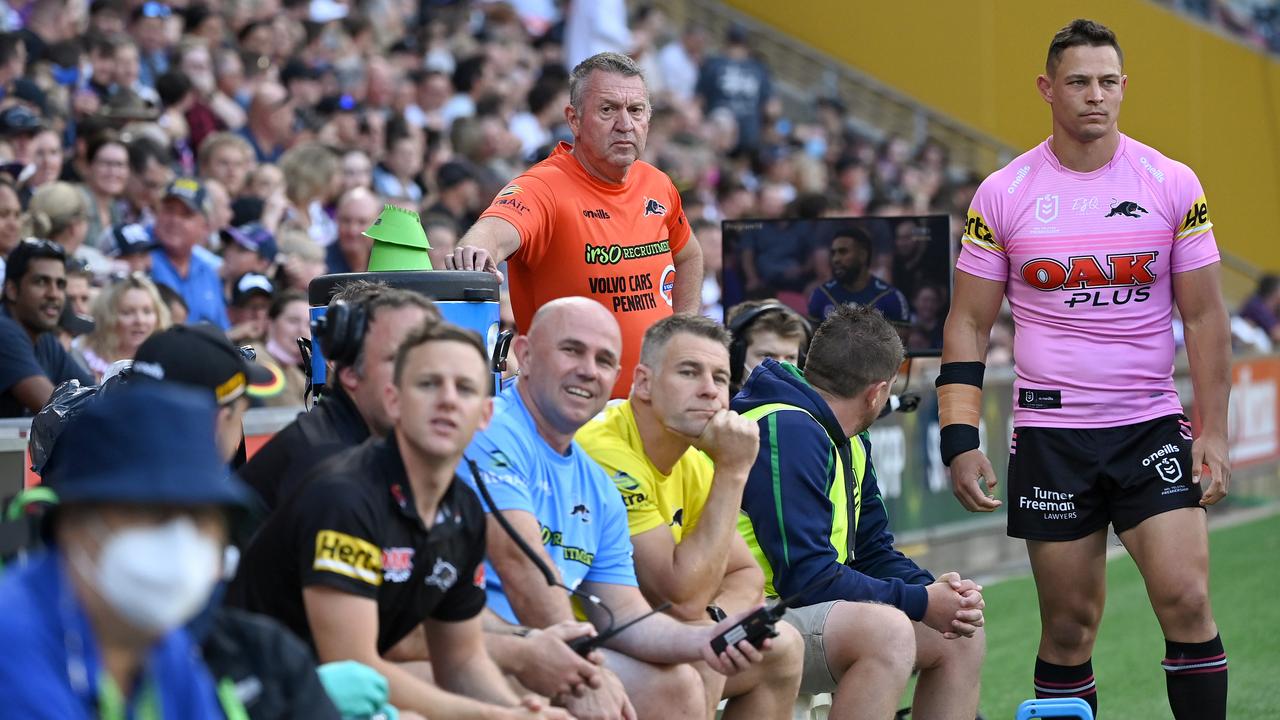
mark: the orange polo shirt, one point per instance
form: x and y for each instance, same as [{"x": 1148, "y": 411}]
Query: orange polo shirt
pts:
[{"x": 579, "y": 235}]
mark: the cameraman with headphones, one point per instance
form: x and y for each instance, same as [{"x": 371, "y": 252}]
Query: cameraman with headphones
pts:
[
  {"x": 764, "y": 329},
  {"x": 363, "y": 327}
]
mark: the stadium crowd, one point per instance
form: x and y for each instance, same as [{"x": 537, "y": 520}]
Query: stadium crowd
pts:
[
  {"x": 175, "y": 176},
  {"x": 299, "y": 121},
  {"x": 1255, "y": 22}
]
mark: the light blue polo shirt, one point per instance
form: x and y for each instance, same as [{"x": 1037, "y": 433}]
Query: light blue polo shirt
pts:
[
  {"x": 201, "y": 288},
  {"x": 583, "y": 520}
]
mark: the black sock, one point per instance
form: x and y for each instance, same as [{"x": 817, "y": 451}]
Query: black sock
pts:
[
  {"x": 1062, "y": 681},
  {"x": 1196, "y": 676}
]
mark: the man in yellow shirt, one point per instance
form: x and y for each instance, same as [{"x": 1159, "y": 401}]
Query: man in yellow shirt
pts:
[{"x": 680, "y": 459}]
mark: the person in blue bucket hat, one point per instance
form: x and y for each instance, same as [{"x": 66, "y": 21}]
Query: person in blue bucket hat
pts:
[{"x": 94, "y": 623}]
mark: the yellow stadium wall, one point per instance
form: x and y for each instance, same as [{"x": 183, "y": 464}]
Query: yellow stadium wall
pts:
[{"x": 1197, "y": 96}]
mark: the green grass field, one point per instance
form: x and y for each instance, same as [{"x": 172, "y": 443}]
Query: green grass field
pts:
[{"x": 1245, "y": 577}]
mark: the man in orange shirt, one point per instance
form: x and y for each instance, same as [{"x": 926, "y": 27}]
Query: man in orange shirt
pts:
[{"x": 593, "y": 219}]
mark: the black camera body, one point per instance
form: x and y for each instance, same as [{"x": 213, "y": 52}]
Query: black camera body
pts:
[
  {"x": 758, "y": 626},
  {"x": 585, "y": 644},
  {"x": 754, "y": 628}
]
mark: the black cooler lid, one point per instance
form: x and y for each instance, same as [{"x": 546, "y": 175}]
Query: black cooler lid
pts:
[{"x": 442, "y": 285}]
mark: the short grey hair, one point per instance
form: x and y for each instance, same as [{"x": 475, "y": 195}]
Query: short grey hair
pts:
[
  {"x": 660, "y": 333},
  {"x": 376, "y": 296},
  {"x": 853, "y": 348},
  {"x": 609, "y": 62}
]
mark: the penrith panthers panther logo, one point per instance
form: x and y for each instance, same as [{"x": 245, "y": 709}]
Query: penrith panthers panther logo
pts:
[
  {"x": 653, "y": 207},
  {"x": 1127, "y": 208}
]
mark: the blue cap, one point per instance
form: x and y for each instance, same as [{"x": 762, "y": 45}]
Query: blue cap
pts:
[
  {"x": 190, "y": 191},
  {"x": 254, "y": 237},
  {"x": 153, "y": 10},
  {"x": 144, "y": 444},
  {"x": 65, "y": 76},
  {"x": 250, "y": 284},
  {"x": 19, "y": 120},
  {"x": 338, "y": 103},
  {"x": 131, "y": 239}
]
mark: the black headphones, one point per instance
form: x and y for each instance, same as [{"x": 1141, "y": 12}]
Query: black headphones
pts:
[
  {"x": 738, "y": 328},
  {"x": 340, "y": 332}
]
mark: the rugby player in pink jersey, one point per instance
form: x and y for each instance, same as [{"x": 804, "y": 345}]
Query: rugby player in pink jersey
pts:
[{"x": 1094, "y": 237}]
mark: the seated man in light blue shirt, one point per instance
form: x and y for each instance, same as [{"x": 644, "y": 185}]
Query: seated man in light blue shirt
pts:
[
  {"x": 182, "y": 223},
  {"x": 564, "y": 506}
]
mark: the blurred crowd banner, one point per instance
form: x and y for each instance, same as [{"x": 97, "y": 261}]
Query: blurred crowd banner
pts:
[
  {"x": 914, "y": 483},
  {"x": 1254, "y": 420}
]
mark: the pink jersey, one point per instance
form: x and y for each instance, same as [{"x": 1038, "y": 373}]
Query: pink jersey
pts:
[{"x": 1088, "y": 258}]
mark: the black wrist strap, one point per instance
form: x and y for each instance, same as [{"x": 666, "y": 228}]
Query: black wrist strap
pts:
[
  {"x": 964, "y": 373},
  {"x": 957, "y": 439}
]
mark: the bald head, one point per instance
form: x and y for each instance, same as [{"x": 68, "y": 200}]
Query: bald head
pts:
[
  {"x": 268, "y": 96},
  {"x": 576, "y": 311},
  {"x": 568, "y": 364},
  {"x": 271, "y": 112},
  {"x": 357, "y": 210},
  {"x": 360, "y": 197}
]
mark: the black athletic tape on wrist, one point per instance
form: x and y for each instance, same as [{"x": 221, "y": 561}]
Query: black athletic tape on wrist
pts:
[
  {"x": 964, "y": 373},
  {"x": 957, "y": 405},
  {"x": 957, "y": 439}
]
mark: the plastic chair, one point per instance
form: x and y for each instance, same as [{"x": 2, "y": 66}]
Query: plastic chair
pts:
[{"x": 1054, "y": 708}]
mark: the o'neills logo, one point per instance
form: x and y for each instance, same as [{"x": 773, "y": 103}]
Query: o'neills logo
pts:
[
  {"x": 1017, "y": 180},
  {"x": 1156, "y": 172},
  {"x": 1167, "y": 449}
]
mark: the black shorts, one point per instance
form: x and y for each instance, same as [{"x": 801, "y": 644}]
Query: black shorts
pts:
[{"x": 1066, "y": 483}]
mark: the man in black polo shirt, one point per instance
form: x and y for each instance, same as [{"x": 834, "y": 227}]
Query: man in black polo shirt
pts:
[
  {"x": 352, "y": 409},
  {"x": 32, "y": 362},
  {"x": 382, "y": 539}
]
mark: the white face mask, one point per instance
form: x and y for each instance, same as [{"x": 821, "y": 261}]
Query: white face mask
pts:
[{"x": 156, "y": 577}]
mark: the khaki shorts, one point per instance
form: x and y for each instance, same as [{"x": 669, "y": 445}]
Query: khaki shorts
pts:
[{"x": 811, "y": 621}]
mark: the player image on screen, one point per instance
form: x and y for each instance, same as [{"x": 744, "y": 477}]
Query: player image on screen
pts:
[
  {"x": 1094, "y": 237},
  {"x": 852, "y": 280},
  {"x": 898, "y": 265}
]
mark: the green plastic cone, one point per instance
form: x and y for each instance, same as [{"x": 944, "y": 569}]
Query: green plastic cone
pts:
[{"x": 399, "y": 242}]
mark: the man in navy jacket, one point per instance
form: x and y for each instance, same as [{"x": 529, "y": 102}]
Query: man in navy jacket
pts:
[{"x": 814, "y": 519}]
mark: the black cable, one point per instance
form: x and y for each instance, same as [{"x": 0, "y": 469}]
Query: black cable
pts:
[
  {"x": 582, "y": 645},
  {"x": 902, "y": 401},
  {"x": 304, "y": 349}
]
